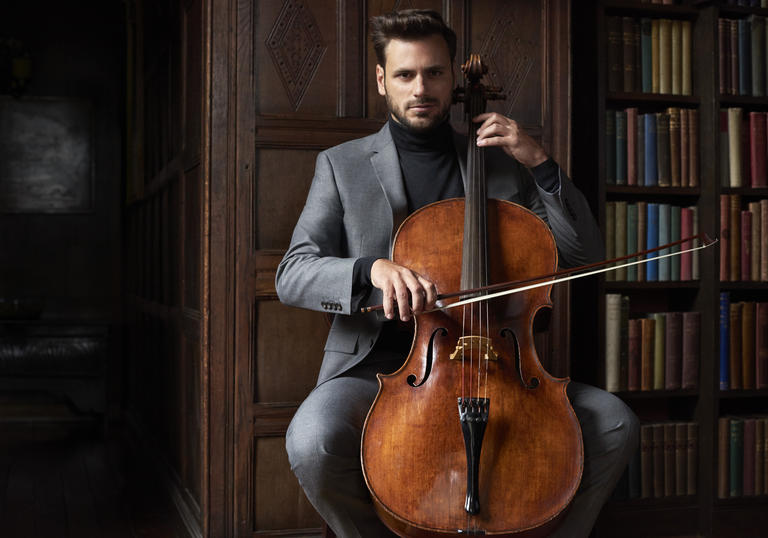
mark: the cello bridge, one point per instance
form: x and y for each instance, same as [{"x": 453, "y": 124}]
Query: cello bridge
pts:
[{"x": 467, "y": 345}]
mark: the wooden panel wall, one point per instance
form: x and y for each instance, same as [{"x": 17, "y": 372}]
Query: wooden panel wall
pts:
[
  {"x": 296, "y": 77},
  {"x": 166, "y": 248}
]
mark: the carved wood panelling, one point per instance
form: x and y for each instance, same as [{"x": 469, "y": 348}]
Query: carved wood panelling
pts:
[
  {"x": 295, "y": 68},
  {"x": 289, "y": 343},
  {"x": 282, "y": 183}
]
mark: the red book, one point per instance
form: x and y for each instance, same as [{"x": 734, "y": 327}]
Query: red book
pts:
[
  {"x": 633, "y": 358},
  {"x": 691, "y": 349},
  {"x": 686, "y": 230},
  {"x": 746, "y": 245},
  {"x": 757, "y": 143},
  {"x": 725, "y": 240},
  {"x": 632, "y": 146},
  {"x": 748, "y": 468},
  {"x": 673, "y": 350},
  {"x": 761, "y": 345}
]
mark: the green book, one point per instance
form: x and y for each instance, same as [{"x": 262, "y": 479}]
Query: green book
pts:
[{"x": 737, "y": 456}]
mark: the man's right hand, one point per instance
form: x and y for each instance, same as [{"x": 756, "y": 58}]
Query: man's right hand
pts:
[{"x": 398, "y": 284}]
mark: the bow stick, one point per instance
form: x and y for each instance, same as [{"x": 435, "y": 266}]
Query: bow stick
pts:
[{"x": 517, "y": 286}]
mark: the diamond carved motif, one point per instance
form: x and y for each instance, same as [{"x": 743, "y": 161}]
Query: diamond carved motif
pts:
[
  {"x": 296, "y": 48},
  {"x": 509, "y": 57}
]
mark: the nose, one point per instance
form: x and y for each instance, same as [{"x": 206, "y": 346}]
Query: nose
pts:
[{"x": 419, "y": 88}]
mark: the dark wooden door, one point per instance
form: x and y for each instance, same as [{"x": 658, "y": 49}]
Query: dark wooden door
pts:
[{"x": 297, "y": 76}]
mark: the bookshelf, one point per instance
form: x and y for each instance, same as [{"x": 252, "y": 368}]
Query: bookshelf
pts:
[{"x": 701, "y": 511}]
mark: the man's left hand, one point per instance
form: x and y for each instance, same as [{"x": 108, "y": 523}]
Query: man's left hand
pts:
[{"x": 499, "y": 130}]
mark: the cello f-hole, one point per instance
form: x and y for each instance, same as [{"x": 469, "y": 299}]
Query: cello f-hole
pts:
[
  {"x": 428, "y": 359},
  {"x": 518, "y": 362}
]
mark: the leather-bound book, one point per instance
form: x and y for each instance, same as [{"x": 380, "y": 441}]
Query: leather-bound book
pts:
[
  {"x": 761, "y": 346},
  {"x": 665, "y": 212},
  {"x": 693, "y": 148},
  {"x": 736, "y": 452},
  {"x": 610, "y": 236},
  {"x": 651, "y": 160},
  {"x": 615, "y": 54},
  {"x": 670, "y": 457},
  {"x": 724, "y": 52},
  {"x": 734, "y": 351},
  {"x": 674, "y": 146},
  {"x": 610, "y": 147},
  {"x": 620, "y": 238},
  {"x": 691, "y": 457},
  {"x": 734, "y": 261},
  {"x": 685, "y": 127},
  {"x": 748, "y": 345},
  {"x": 725, "y": 343},
  {"x": 612, "y": 340},
  {"x": 674, "y": 235},
  {"x": 676, "y": 56},
  {"x": 723, "y": 458},
  {"x": 673, "y": 348},
  {"x": 662, "y": 149},
  {"x": 658, "y": 460},
  {"x": 631, "y": 156},
  {"x": 640, "y": 149},
  {"x": 734, "y": 38},
  {"x": 624, "y": 343},
  {"x": 658, "y": 350},
  {"x": 746, "y": 246},
  {"x": 725, "y": 150},
  {"x": 652, "y": 241},
  {"x": 691, "y": 349},
  {"x": 734, "y": 146},
  {"x": 745, "y": 57},
  {"x": 642, "y": 232},
  {"x": 681, "y": 463},
  {"x": 764, "y": 240},
  {"x": 632, "y": 240},
  {"x": 725, "y": 237},
  {"x": 628, "y": 56},
  {"x": 748, "y": 476},
  {"x": 634, "y": 357},
  {"x": 655, "y": 56},
  {"x": 686, "y": 230},
  {"x": 757, "y": 30},
  {"x": 621, "y": 147},
  {"x": 647, "y": 336},
  {"x": 646, "y": 55},
  {"x": 646, "y": 461},
  {"x": 757, "y": 148}
]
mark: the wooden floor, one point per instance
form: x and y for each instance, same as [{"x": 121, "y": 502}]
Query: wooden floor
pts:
[{"x": 78, "y": 486}]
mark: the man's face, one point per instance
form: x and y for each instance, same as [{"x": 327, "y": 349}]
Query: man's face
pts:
[{"x": 417, "y": 81}]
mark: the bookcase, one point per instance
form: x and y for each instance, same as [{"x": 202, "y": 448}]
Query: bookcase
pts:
[{"x": 684, "y": 422}]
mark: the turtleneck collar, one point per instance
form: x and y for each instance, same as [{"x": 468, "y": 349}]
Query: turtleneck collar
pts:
[{"x": 438, "y": 139}]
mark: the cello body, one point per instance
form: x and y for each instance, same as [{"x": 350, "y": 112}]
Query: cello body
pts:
[{"x": 415, "y": 460}]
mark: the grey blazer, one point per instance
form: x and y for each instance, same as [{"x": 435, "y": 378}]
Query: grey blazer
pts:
[{"x": 356, "y": 204}]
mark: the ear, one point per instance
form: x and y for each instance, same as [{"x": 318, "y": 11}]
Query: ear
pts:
[{"x": 380, "y": 80}]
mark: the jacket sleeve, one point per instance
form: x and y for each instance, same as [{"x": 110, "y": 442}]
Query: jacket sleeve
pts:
[
  {"x": 316, "y": 272},
  {"x": 567, "y": 212}
]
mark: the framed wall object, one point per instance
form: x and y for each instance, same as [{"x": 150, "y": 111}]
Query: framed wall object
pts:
[{"x": 46, "y": 155}]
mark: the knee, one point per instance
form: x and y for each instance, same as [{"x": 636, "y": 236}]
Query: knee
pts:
[{"x": 623, "y": 428}]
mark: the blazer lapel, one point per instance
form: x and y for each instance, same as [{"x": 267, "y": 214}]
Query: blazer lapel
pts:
[{"x": 386, "y": 164}]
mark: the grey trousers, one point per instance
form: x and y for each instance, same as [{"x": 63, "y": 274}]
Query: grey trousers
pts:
[{"x": 323, "y": 444}]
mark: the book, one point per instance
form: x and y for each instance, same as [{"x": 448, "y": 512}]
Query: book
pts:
[
  {"x": 610, "y": 147},
  {"x": 674, "y": 146},
  {"x": 759, "y": 458},
  {"x": 691, "y": 337},
  {"x": 610, "y": 236},
  {"x": 693, "y": 148},
  {"x": 628, "y": 56},
  {"x": 691, "y": 457},
  {"x": 640, "y": 150},
  {"x": 725, "y": 331},
  {"x": 621, "y": 147},
  {"x": 674, "y": 235},
  {"x": 632, "y": 240},
  {"x": 686, "y": 51},
  {"x": 615, "y": 54},
  {"x": 651, "y": 166},
  {"x": 748, "y": 333},
  {"x": 652, "y": 241},
  {"x": 757, "y": 148},
  {"x": 647, "y": 338},
  {"x": 761, "y": 346},
  {"x": 685, "y": 147},
  {"x": 620, "y": 238},
  {"x": 723, "y": 458},
  {"x": 734, "y": 351},
  {"x": 646, "y": 461},
  {"x": 624, "y": 343},
  {"x": 725, "y": 150},
  {"x": 670, "y": 457},
  {"x": 673, "y": 347},
  {"x": 736, "y": 452},
  {"x": 681, "y": 460},
  {"x": 645, "y": 45},
  {"x": 658, "y": 350},
  {"x": 642, "y": 233},
  {"x": 631, "y": 150},
  {"x": 663, "y": 149},
  {"x": 665, "y": 56},
  {"x": 725, "y": 241},
  {"x": 634, "y": 356},
  {"x": 764, "y": 240},
  {"x": 748, "y": 465},
  {"x": 686, "y": 230},
  {"x": 723, "y": 42},
  {"x": 658, "y": 460},
  {"x": 746, "y": 245},
  {"x": 754, "y": 267},
  {"x": 664, "y": 238},
  {"x": 734, "y": 147},
  {"x": 612, "y": 340},
  {"x": 734, "y": 226},
  {"x": 757, "y": 54}
]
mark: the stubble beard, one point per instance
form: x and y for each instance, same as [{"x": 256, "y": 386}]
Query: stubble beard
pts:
[{"x": 400, "y": 114}]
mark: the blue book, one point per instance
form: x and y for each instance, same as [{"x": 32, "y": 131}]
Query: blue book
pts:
[
  {"x": 664, "y": 214},
  {"x": 725, "y": 327},
  {"x": 646, "y": 58},
  {"x": 652, "y": 241},
  {"x": 651, "y": 166},
  {"x": 674, "y": 235},
  {"x": 745, "y": 57}
]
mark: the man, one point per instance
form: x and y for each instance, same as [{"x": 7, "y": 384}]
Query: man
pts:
[{"x": 338, "y": 261}]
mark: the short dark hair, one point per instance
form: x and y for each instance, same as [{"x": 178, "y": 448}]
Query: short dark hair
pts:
[{"x": 409, "y": 25}]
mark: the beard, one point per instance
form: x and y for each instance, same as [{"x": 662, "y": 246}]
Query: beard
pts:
[{"x": 425, "y": 121}]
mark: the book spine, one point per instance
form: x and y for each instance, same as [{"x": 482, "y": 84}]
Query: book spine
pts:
[
  {"x": 686, "y": 230},
  {"x": 612, "y": 340},
  {"x": 686, "y": 50},
  {"x": 670, "y": 439},
  {"x": 620, "y": 238},
  {"x": 632, "y": 239},
  {"x": 754, "y": 247},
  {"x": 662, "y": 149},
  {"x": 621, "y": 147},
  {"x": 652, "y": 241},
  {"x": 674, "y": 146},
  {"x": 658, "y": 350},
  {"x": 725, "y": 237},
  {"x": 691, "y": 349},
  {"x": 748, "y": 466},
  {"x": 746, "y": 245},
  {"x": 761, "y": 345},
  {"x": 723, "y": 458},
  {"x": 665, "y": 56},
  {"x": 646, "y": 461},
  {"x": 673, "y": 367},
  {"x": 628, "y": 57},
  {"x": 725, "y": 331},
  {"x": 693, "y": 148},
  {"x": 757, "y": 148},
  {"x": 634, "y": 358},
  {"x": 734, "y": 351},
  {"x": 651, "y": 167},
  {"x": 734, "y": 256},
  {"x": 748, "y": 345},
  {"x": 647, "y": 336},
  {"x": 736, "y": 452},
  {"x": 642, "y": 237},
  {"x": 691, "y": 458},
  {"x": 665, "y": 211},
  {"x": 614, "y": 54},
  {"x": 647, "y": 54},
  {"x": 610, "y": 147},
  {"x": 734, "y": 146},
  {"x": 674, "y": 235},
  {"x": 631, "y": 156},
  {"x": 681, "y": 463}
]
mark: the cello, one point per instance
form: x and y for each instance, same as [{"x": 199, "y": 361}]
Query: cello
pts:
[{"x": 471, "y": 436}]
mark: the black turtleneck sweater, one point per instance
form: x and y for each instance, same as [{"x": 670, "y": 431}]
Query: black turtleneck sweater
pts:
[{"x": 431, "y": 173}]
